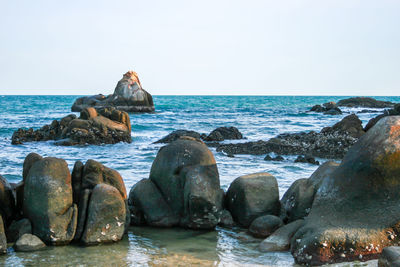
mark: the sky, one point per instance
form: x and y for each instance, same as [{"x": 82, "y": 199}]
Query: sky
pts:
[{"x": 209, "y": 47}]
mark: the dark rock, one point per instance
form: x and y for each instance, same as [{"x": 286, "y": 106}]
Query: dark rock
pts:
[
  {"x": 82, "y": 212},
  {"x": 28, "y": 242},
  {"x": 332, "y": 142},
  {"x": 277, "y": 158},
  {"x": 17, "y": 229},
  {"x": 318, "y": 108},
  {"x": 324, "y": 171},
  {"x": 106, "y": 216},
  {"x": 102, "y": 126},
  {"x": 280, "y": 239},
  {"x": 128, "y": 96},
  {"x": 391, "y": 112},
  {"x": 390, "y": 257},
  {"x": 7, "y": 201},
  {"x": 355, "y": 213},
  {"x": 366, "y": 102},
  {"x": 330, "y": 105},
  {"x": 333, "y": 111},
  {"x": 307, "y": 159},
  {"x": 252, "y": 196},
  {"x": 224, "y": 133},
  {"x": 298, "y": 199},
  {"x": 19, "y": 193},
  {"x": 3, "y": 239},
  {"x": 28, "y": 162},
  {"x": 76, "y": 178},
  {"x": 226, "y": 219},
  {"x": 48, "y": 201},
  {"x": 368, "y": 111},
  {"x": 175, "y": 135},
  {"x": 265, "y": 225},
  {"x": 144, "y": 196},
  {"x": 137, "y": 217}
]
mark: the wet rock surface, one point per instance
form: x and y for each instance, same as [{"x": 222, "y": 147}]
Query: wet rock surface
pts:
[
  {"x": 390, "y": 257},
  {"x": 28, "y": 243},
  {"x": 18, "y": 229},
  {"x": 265, "y": 225},
  {"x": 332, "y": 142},
  {"x": 3, "y": 239},
  {"x": 128, "y": 96},
  {"x": 329, "y": 108},
  {"x": 94, "y": 126},
  {"x": 355, "y": 213},
  {"x": 306, "y": 159}
]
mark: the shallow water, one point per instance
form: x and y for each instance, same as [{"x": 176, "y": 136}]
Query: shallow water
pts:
[{"x": 257, "y": 117}]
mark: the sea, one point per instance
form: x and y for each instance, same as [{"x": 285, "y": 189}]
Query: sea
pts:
[{"x": 257, "y": 118}]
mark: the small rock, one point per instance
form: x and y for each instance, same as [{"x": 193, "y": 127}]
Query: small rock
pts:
[
  {"x": 226, "y": 219},
  {"x": 265, "y": 225},
  {"x": 29, "y": 242},
  {"x": 307, "y": 159}
]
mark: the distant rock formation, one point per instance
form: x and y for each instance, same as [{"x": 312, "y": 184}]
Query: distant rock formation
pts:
[
  {"x": 366, "y": 102},
  {"x": 128, "y": 96}
]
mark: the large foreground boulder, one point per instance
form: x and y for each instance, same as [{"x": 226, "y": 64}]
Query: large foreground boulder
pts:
[
  {"x": 356, "y": 212},
  {"x": 251, "y": 196},
  {"x": 48, "y": 201},
  {"x": 94, "y": 126},
  {"x": 128, "y": 96},
  {"x": 186, "y": 175}
]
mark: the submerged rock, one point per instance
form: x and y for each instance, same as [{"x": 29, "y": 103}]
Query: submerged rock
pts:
[
  {"x": 332, "y": 142},
  {"x": 94, "y": 126},
  {"x": 306, "y": 159},
  {"x": 224, "y": 133},
  {"x": 175, "y": 135},
  {"x": 251, "y": 196},
  {"x": 355, "y": 213},
  {"x": 329, "y": 108},
  {"x": 365, "y": 102},
  {"x": 277, "y": 158},
  {"x": 186, "y": 175},
  {"x": 265, "y": 225},
  {"x": 128, "y": 96},
  {"x": 28, "y": 243}
]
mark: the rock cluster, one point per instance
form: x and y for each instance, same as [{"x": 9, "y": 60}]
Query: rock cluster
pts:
[
  {"x": 395, "y": 111},
  {"x": 332, "y": 142},
  {"x": 366, "y": 102},
  {"x": 128, "y": 96},
  {"x": 89, "y": 207},
  {"x": 94, "y": 126},
  {"x": 329, "y": 108}
]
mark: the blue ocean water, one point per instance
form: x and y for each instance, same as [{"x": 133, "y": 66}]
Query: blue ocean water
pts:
[{"x": 257, "y": 117}]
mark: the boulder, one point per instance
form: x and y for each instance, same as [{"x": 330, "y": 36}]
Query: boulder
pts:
[
  {"x": 251, "y": 196},
  {"x": 330, "y": 105},
  {"x": 391, "y": 112},
  {"x": 280, "y": 239},
  {"x": 224, "y": 133},
  {"x": 186, "y": 175},
  {"x": 128, "y": 96},
  {"x": 18, "y": 229},
  {"x": 28, "y": 162},
  {"x": 350, "y": 124},
  {"x": 355, "y": 213},
  {"x": 3, "y": 239},
  {"x": 265, "y": 225},
  {"x": 390, "y": 257},
  {"x": 94, "y": 126},
  {"x": 28, "y": 242},
  {"x": 318, "y": 108},
  {"x": 226, "y": 219},
  {"x": 365, "y": 102},
  {"x": 333, "y": 111},
  {"x": 7, "y": 201},
  {"x": 175, "y": 135},
  {"x": 306, "y": 159},
  {"x": 106, "y": 216},
  {"x": 48, "y": 201}
]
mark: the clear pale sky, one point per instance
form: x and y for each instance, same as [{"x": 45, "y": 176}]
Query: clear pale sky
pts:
[{"x": 260, "y": 47}]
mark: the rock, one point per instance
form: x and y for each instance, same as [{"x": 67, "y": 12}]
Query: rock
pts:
[
  {"x": 3, "y": 239},
  {"x": 48, "y": 201},
  {"x": 391, "y": 112},
  {"x": 329, "y": 108},
  {"x": 280, "y": 239},
  {"x": 251, "y": 196},
  {"x": 175, "y": 135},
  {"x": 226, "y": 219},
  {"x": 333, "y": 111},
  {"x": 7, "y": 201},
  {"x": 224, "y": 133},
  {"x": 277, "y": 158},
  {"x": 28, "y": 162},
  {"x": 298, "y": 199},
  {"x": 390, "y": 257},
  {"x": 101, "y": 126},
  {"x": 106, "y": 216},
  {"x": 28, "y": 242},
  {"x": 355, "y": 213},
  {"x": 366, "y": 102},
  {"x": 17, "y": 229},
  {"x": 265, "y": 225},
  {"x": 318, "y": 108},
  {"x": 307, "y": 159},
  {"x": 144, "y": 196},
  {"x": 76, "y": 178},
  {"x": 324, "y": 171},
  {"x": 128, "y": 96},
  {"x": 84, "y": 197},
  {"x": 330, "y": 105},
  {"x": 186, "y": 175},
  {"x": 332, "y": 142},
  {"x": 19, "y": 194}
]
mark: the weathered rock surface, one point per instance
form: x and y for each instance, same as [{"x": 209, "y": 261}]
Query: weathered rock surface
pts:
[
  {"x": 48, "y": 201},
  {"x": 94, "y": 126},
  {"x": 18, "y": 229},
  {"x": 106, "y": 216},
  {"x": 7, "y": 201},
  {"x": 332, "y": 142},
  {"x": 28, "y": 242},
  {"x": 355, "y": 213},
  {"x": 390, "y": 257},
  {"x": 186, "y": 175},
  {"x": 366, "y": 102},
  {"x": 280, "y": 239},
  {"x": 128, "y": 96},
  {"x": 3, "y": 239},
  {"x": 175, "y": 135},
  {"x": 395, "y": 111},
  {"x": 251, "y": 196},
  {"x": 264, "y": 226},
  {"x": 224, "y": 133}
]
